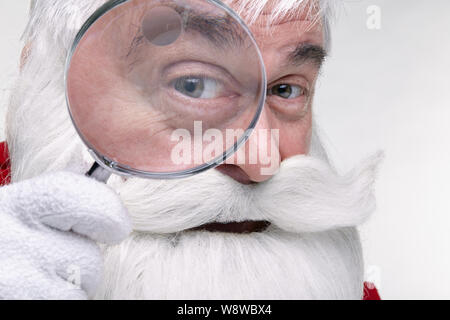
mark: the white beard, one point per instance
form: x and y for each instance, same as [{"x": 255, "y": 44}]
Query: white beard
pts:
[
  {"x": 311, "y": 250},
  {"x": 201, "y": 265}
]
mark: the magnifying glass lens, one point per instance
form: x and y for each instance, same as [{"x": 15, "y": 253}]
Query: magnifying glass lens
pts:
[{"x": 164, "y": 89}]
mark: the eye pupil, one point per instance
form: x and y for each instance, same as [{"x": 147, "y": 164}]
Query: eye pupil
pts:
[
  {"x": 282, "y": 90},
  {"x": 192, "y": 87}
]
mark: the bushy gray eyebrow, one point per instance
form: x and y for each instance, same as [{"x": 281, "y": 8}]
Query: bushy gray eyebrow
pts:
[
  {"x": 221, "y": 31},
  {"x": 308, "y": 53}
]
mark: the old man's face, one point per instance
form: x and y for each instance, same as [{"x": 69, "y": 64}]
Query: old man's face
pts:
[
  {"x": 293, "y": 51},
  {"x": 128, "y": 95}
]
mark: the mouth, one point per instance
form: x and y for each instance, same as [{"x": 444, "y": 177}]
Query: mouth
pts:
[{"x": 244, "y": 227}]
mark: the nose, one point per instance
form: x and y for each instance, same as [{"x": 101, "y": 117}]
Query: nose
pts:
[{"x": 259, "y": 159}]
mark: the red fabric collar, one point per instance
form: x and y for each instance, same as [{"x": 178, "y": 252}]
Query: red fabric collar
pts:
[
  {"x": 5, "y": 165},
  {"x": 370, "y": 292}
]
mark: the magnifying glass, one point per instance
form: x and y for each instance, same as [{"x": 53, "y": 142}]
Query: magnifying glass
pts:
[{"x": 164, "y": 89}]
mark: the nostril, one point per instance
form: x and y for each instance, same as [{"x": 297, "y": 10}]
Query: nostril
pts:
[{"x": 235, "y": 173}]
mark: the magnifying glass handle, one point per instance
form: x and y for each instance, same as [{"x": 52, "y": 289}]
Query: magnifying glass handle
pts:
[{"x": 99, "y": 173}]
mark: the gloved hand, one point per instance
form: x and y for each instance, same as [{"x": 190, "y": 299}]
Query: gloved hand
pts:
[{"x": 49, "y": 227}]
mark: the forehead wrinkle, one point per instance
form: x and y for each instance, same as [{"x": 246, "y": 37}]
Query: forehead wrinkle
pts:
[
  {"x": 299, "y": 23},
  {"x": 272, "y": 12}
]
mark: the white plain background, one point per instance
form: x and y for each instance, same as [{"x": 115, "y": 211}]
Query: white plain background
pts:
[{"x": 383, "y": 89}]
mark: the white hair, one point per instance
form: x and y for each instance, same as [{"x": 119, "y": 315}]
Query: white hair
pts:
[{"x": 318, "y": 11}]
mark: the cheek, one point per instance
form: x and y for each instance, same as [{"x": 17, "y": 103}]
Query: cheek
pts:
[{"x": 295, "y": 136}]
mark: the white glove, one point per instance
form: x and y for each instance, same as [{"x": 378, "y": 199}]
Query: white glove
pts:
[{"x": 49, "y": 227}]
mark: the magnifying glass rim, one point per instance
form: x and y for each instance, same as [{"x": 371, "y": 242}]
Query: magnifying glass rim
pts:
[{"x": 123, "y": 170}]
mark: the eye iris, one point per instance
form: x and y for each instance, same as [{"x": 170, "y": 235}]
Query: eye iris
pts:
[
  {"x": 192, "y": 87},
  {"x": 283, "y": 90}
]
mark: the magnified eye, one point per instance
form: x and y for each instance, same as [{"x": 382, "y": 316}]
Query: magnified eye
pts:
[
  {"x": 198, "y": 87},
  {"x": 287, "y": 91}
]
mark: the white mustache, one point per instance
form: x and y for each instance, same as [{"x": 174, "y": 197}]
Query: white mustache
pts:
[
  {"x": 309, "y": 196},
  {"x": 306, "y": 195}
]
